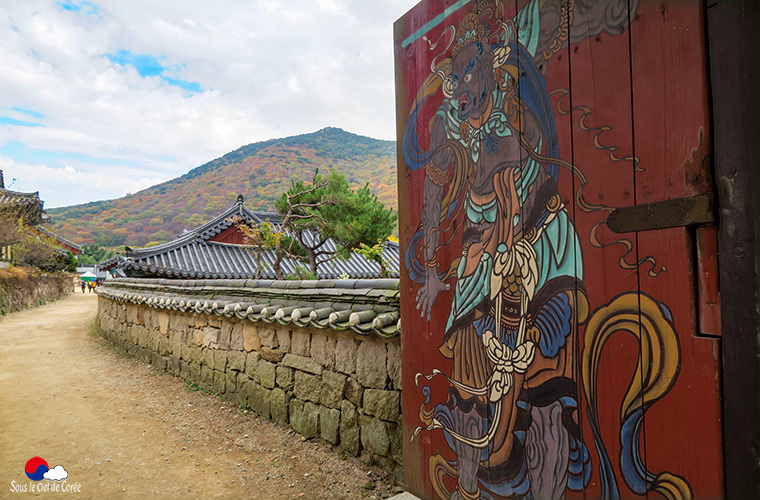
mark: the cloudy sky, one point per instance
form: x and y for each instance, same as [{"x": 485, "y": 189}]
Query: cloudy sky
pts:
[{"x": 105, "y": 97}]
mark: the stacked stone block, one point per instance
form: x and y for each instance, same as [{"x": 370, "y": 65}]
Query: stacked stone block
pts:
[{"x": 341, "y": 387}]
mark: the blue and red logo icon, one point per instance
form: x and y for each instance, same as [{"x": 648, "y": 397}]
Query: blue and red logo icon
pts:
[{"x": 35, "y": 468}]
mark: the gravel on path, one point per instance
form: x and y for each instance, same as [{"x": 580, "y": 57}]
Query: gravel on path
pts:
[{"x": 123, "y": 430}]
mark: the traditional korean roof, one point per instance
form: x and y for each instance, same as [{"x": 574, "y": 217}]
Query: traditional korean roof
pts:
[
  {"x": 363, "y": 306},
  {"x": 15, "y": 200},
  {"x": 75, "y": 249},
  {"x": 222, "y": 221},
  {"x": 194, "y": 255}
]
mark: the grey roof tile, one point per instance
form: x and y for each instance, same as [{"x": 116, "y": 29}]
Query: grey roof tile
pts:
[
  {"x": 59, "y": 238},
  {"x": 193, "y": 255},
  {"x": 350, "y": 309}
]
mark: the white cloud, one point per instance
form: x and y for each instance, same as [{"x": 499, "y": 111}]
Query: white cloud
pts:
[
  {"x": 293, "y": 84},
  {"x": 57, "y": 473},
  {"x": 57, "y": 185},
  {"x": 266, "y": 69}
]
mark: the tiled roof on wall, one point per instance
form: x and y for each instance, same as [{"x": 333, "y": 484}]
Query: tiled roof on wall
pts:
[{"x": 362, "y": 306}]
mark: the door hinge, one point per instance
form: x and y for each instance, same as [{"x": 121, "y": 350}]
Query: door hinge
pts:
[{"x": 688, "y": 211}]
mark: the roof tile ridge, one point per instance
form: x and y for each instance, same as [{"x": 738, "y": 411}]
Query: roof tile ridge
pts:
[
  {"x": 19, "y": 193},
  {"x": 58, "y": 236},
  {"x": 178, "y": 242},
  {"x": 229, "y": 212}
]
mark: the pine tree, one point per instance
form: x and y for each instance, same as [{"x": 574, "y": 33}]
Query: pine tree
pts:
[{"x": 326, "y": 209}]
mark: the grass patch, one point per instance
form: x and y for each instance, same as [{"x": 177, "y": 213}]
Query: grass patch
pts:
[
  {"x": 194, "y": 387},
  {"x": 369, "y": 485},
  {"x": 94, "y": 330}
]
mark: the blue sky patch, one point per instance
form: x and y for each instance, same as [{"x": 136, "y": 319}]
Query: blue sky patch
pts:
[
  {"x": 145, "y": 65},
  {"x": 148, "y": 66},
  {"x": 20, "y": 153},
  {"x": 79, "y": 7},
  {"x": 28, "y": 112},
  {"x": 7, "y": 120},
  {"x": 192, "y": 87}
]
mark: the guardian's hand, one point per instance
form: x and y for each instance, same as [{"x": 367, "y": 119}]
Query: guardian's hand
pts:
[{"x": 427, "y": 294}]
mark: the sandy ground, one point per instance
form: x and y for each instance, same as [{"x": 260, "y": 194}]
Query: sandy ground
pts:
[{"x": 122, "y": 430}]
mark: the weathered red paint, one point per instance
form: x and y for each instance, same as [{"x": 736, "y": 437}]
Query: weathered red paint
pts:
[
  {"x": 706, "y": 239},
  {"x": 672, "y": 139},
  {"x": 631, "y": 113},
  {"x": 230, "y": 235},
  {"x": 62, "y": 244}
]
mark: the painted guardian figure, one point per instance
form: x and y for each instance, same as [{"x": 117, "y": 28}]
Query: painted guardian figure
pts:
[
  {"x": 491, "y": 166},
  {"x": 518, "y": 288}
]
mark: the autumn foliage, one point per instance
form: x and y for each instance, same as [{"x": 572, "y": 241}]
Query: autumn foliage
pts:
[{"x": 260, "y": 171}]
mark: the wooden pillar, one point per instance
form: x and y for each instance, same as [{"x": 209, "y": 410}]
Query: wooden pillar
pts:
[{"x": 735, "y": 77}]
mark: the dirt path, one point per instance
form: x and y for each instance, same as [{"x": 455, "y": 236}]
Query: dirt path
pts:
[{"x": 122, "y": 430}]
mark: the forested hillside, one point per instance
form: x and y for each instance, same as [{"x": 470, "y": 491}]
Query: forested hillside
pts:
[{"x": 260, "y": 172}]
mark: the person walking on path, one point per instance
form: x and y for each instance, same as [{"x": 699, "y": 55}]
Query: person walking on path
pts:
[{"x": 83, "y": 285}]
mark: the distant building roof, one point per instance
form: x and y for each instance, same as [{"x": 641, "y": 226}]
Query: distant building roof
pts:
[
  {"x": 69, "y": 245},
  {"x": 92, "y": 269},
  {"x": 8, "y": 197},
  {"x": 221, "y": 222},
  {"x": 19, "y": 202},
  {"x": 23, "y": 201},
  {"x": 194, "y": 255}
]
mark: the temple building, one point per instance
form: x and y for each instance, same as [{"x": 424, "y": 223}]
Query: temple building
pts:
[
  {"x": 215, "y": 250},
  {"x": 28, "y": 207}
]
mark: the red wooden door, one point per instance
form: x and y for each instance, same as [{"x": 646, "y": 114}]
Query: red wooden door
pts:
[{"x": 544, "y": 355}]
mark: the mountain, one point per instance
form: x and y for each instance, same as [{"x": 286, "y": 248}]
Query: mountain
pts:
[{"x": 261, "y": 172}]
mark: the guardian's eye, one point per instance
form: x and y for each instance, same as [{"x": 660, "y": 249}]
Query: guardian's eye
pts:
[{"x": 468, "y": 78}]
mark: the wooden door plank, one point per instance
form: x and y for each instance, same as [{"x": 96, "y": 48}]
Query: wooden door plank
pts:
[
  {"x": 683, "y": 428},
  {"x": 602, "y": 150},
  {"x": 421, "y": 344},
  {"x": 413, "y": 348},
  {"x": 559, "y": 80},
  {"x": 672, "y": 139}
]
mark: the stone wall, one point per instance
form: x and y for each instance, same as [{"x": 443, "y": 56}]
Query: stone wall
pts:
[
  {"x": 22, "y": 288},
  {"x": 340, "y": 386}
]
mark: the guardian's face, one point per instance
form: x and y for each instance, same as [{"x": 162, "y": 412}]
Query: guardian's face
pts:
[{"x": 472, "y": 80}]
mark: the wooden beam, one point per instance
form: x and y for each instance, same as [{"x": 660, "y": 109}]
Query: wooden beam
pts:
[
  {"x": 687, "y": 211},
  {"x": 735, "y": 79}
]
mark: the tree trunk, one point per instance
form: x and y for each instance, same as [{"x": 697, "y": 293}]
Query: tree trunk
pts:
[
  {"x": 277, "y": 261},
  {"x": 258, "y": 261},
  {"x": 312, "y": 260}
]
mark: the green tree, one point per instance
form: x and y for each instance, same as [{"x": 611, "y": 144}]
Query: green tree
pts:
[
  {"x": 69, "y": 262},
  {"x": 374, "y": 253},
  {"x": 94, "y": 254},
  {"x": 259, "y": 237},
  {"x": 40, "y": 250},
  {"x": 326, "y": 209},
  {"x": 11, "y": 219}
]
